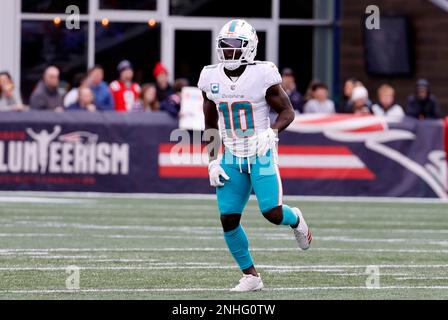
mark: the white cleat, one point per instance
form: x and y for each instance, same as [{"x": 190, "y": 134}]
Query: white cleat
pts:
[
  {"x": 302, "y": 232},
  {"x": 249, "y": 283}
]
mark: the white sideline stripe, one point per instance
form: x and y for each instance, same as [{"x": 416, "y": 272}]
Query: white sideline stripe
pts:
[
  {"x": 272, "y": 237},
  {"x": 5, "y": 199},
  {"x": 149, "y": 290},
  {"x": 389, "y": 231},
  {"x": 82, "y": 226},
  {"x": 382, "y": 250},
  {"x": 205, "y": 249},
  {"x": 323, "y": 268},
  {"x": 187, "y": 196},
  {"x": 285, "y": 161},
  {"x": 99, "y": 259},
  {"x": 175, "y": 266},
  {"x": 199, "y": 229},
  {"x": 275, "y": 237},
  {"x": 421, "y": 278},
  {"x": 35, "y": 235},
  {"x": 44, "y": 254}
]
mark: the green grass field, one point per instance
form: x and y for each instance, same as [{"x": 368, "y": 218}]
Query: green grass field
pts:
[{"x": 149, "y": 248}]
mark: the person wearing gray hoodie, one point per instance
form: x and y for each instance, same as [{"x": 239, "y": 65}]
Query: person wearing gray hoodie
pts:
[{"x": 46, "y": 95}]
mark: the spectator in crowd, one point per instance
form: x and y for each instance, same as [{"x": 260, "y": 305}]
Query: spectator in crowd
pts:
[
  {"x": 346, "y": 103},
  {"x": 386, "y": 105},
  {"x": 148, "y": 99},
  {"x": 360, "y": 100},
  {"x": 290, "y": 87},
  {"x": 423, "y": 104},
  {"x": 309, "y": 95},
  {"x": 103, "y": 96},
  {"x": 46, "y": 95},
  {"x": 320, "y": 102},
  {"x": 79, "y": 81},
  {"x": 86, "y": 101},
  {"x": 171, "y": 105},
  {"x": 124, "y": 91},
  {"x": 8, "y": 101},
  {"x": 164, "y": 89}
]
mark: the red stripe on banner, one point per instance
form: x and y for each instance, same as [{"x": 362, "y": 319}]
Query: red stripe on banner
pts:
[
  {"x": 183, "y": 172},
  {"x": 373, "y": 127},
  {"x": 315, "y": 150},
  {"x": 286, "y": 173},
  {"x": 330, "y": 119},
  {"x": 322, "y": 174},
  {"x": 283, "y": 149}
]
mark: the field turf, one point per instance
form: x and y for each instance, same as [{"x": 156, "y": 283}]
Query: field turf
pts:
[{"x": 168, "y": 248}]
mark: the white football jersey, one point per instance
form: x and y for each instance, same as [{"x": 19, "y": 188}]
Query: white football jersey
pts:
[{"x": 242, "y": 107}]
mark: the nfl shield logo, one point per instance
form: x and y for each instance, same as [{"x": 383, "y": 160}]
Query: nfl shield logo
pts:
[{"x": 215, "y": 88}]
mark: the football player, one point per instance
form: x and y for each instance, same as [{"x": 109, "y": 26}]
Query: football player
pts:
[{"x": 238, "y": 94}]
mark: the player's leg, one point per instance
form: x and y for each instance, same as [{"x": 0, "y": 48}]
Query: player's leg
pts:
[
  {"x": 232, "y": 198},
  {"x": 267, "y": 185}
]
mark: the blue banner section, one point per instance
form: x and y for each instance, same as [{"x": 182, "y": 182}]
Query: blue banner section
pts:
[{"x": 338, "y": 155}]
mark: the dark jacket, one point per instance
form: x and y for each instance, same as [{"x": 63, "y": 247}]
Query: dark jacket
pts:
[
  {"x": 75, "y": 107},
  {"x": 346, "y": 106},
  {"x": 163, "y": 94},
  {"x": 423, "y": 109},
  {"x": 170, "y": 106},
  {"x": 44, "y": 98},
  {"x": 297, "y": 100},
  {"x": 103, "y": 97}
]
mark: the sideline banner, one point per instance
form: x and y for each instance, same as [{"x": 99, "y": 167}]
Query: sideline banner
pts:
[{"x": 339, "y": 155}]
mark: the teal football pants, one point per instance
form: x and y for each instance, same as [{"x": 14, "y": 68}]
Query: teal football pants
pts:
[{"x": 258, "y": 173}]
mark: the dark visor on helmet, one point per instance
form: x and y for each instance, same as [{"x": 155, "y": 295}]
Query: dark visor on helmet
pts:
[{"x": 230, "y": 43}]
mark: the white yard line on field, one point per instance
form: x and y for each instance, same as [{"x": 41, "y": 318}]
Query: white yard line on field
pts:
[
  {"x": 83, "y": 226},
  {"x": 270, "y": 237},
  {"x": 198, "y": 229},
  {"x": 372, "y": 230},
  {"x": 311, "y": 268},
  {"x": 382, "y": 250},
  {"x": 37, "y": 235},
  {"x": 213, "y": 197},
  {"x": 19, "y": 199},
  {"x": 179, "y": 290},
  {"x": 6, "y": 251},
  {"x": 421, "y": 278}
]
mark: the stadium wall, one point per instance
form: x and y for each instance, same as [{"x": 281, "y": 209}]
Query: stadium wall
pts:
[
  {"x": 430, "y": 23},
  {"x": 336, "y": 155}
]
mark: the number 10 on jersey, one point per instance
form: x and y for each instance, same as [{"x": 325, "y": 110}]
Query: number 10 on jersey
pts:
[{"x": 238, "y": 118}]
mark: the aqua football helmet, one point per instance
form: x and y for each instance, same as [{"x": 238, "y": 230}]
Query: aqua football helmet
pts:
[{"x": 237, "y": 44}]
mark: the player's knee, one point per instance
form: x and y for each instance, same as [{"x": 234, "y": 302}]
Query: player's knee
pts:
[
  {"x": 230, "y": 222},
  {"x": 274, "y": 215}
]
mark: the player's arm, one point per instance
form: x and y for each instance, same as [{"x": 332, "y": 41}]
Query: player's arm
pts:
[
  {"x": 278, "y": 100},
  {"x": 211, "y": 127},
  {"x": 211, "y": 132}
]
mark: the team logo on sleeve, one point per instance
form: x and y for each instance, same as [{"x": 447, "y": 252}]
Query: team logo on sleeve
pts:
[{"x": 215, "y": 88}]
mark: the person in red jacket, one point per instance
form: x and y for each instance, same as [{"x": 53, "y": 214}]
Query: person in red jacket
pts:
[{"x": 124, "y": 91}]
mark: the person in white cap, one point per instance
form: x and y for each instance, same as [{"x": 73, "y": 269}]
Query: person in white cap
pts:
[{"x": 360, "y": 99}]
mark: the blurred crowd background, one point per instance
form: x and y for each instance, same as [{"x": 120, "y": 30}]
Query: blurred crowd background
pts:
[
  {"x": 89, "y": 92},
  {"x": 137, "y": 56}
]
